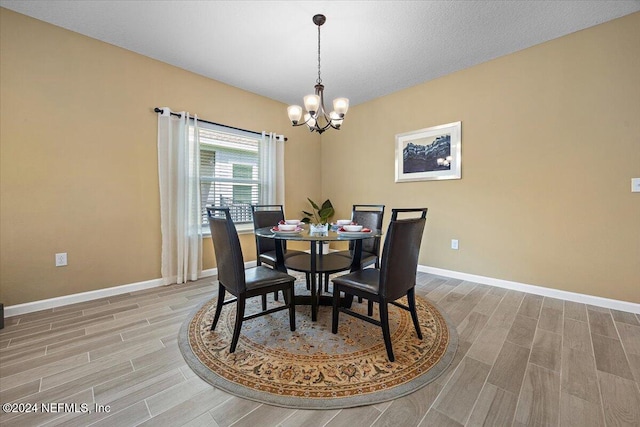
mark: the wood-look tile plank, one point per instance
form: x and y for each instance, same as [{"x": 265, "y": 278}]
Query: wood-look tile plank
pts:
[
  {"x": 601, "y": 323},
  {"x": 488, "y": 344},
  {"x": 362, "y": 416},
  {"x": 509, "y": 368},
  {"x": 168, "y": 354},
  {"x": 630, "y": 337},
  {"x": 550, "y": 319},
  {"x": 30, "y": 345},
  {"x": 539, "y": 403},
  {"x": 20, "y": 391},
  {"x": 437, "y": 418},
  {"x": 309, "y": 418},
  {"x": 575, "y": 311},
  {"x": 576, "y": 335},
  {"x": 579, "y": 377},
  {"x": 141, "y": 379},
  {"x": 204, "y": 420},
  {"x": 522, "y": 331},
  {"x": 625, "y": 317},
  {"x": 131, "y": 416},
  {"x": 531, "y": 305},
  {"x": 409, "y": 410},
  {"x": 459, "y": 395},
  {"x": 621, "y": 400},
  {"x": 471, "y": 327},
  {"x": 575, "y": 412},
  {"x": 187, "y": 410},
  {"x": 610, "y": 357},
  {"x": 461, "y": 310},
  {"x": 265, "y": 415},
  {"x": 461, "y": 353},
  {"x": 495, "y": 407},
  {"x": 234, "y": 408},
  {"x": 38, "y": 372},
  {"x": 547, "y": 350},
  {"x": 488, "y": 304},
  {"x": 175, "y": 395},
  {"x": 123, "y": 346},
  {"x": 23, "y": 354},
  {"x": 634, "y": 363}
]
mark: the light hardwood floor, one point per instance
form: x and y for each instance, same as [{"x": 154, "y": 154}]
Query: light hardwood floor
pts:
[{"x": 523, "y": 359}]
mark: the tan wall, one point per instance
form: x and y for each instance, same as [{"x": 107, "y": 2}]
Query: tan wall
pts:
[
  {"x": 78, "y": 157},
  {"x": 550, "y": 142}
]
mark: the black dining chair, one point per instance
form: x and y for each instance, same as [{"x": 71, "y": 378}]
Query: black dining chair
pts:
[
  {"x": 369, "y": 216},
  {"x": 395, "y": 278},
  {"x": 269, "y": 216},
  {"x": 241, "y": 283}
]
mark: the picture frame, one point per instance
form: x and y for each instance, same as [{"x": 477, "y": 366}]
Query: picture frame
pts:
[{"x": 433, "y": 153}]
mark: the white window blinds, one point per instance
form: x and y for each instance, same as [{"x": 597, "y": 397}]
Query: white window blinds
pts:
[{"x": 229, "y": 170}]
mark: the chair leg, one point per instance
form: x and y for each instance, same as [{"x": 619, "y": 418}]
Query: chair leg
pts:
[
  {"x": 308, "y": 277},
  {"x": 219, "y": 305},
  {"x": 264, "y": 301},
  {"x": 326, "y": 282},
  {"x": 384, "y": 320},
  {"x": 335, "y": 311},
  {"x": 292, "y": 308},
  {"x": 411, "y": 299},
  {"x": 360, "y": 299},
  {"x": 369, "y": 308},
  {"x": 275, "y": 297},
  {"x": 238, "y": 325}
]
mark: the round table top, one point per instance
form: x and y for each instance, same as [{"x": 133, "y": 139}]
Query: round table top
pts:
[{"x": 307, "y": 236}]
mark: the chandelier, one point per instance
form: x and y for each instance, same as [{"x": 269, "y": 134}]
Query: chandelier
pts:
[{"x": 316, "y": 117}]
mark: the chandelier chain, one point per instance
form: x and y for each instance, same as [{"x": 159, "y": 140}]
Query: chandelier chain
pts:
[{"x": 319, "y": 80}]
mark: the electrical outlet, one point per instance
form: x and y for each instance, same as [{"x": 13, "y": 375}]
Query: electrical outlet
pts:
[
  {"x": 454, "y": 244},
  {"x": 61, "y": 259}
]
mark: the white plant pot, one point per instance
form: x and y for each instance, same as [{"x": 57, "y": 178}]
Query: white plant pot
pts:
[{"x": 318, "y": 228}]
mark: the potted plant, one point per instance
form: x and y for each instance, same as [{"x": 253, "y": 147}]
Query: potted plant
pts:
[{"x": 318, "y": 219}]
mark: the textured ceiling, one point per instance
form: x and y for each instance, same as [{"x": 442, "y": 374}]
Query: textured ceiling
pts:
[{"x": 369, "y": 48}]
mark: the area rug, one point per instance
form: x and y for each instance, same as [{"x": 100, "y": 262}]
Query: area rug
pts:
[{"x": 312, "y": 368}]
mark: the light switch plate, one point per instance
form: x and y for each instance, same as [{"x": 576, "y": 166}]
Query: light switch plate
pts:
[{"x": 635, "y": 185}]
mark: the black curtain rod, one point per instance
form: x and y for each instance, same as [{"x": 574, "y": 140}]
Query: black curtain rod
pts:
[{"x": 160, "y": 110}]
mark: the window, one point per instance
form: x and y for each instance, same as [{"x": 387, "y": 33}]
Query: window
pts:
[{"x": 229, "y": 171}]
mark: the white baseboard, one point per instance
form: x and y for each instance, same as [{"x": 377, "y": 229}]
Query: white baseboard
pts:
[
  {"x": 45, "y": 304},
  {"x": 29, "y": 307},
  {"x": 537, "y": 290}
]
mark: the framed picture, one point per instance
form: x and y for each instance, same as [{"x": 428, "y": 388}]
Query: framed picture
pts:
[{"x": 429, "y": 154}]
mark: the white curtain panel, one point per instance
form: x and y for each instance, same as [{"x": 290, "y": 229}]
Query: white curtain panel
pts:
[
  {"x": 178, "y": 173},
  {"x": 272, "y": 169}
]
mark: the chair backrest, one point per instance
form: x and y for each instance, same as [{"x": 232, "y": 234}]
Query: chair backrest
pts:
[
  {"x": 369, "y": 216},
  {"x": 400, "y": 253},
  {"x": 226, "y": 245},
  {"x": 266, "y": 216}
]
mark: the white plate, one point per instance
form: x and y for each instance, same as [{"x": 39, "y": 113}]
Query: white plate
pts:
[
  {"x": 353, "y": 233},
  {"x": 296, "y": 231}
]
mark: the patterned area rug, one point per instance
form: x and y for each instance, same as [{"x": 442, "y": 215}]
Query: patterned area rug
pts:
[{"x": 312, "y": 368}]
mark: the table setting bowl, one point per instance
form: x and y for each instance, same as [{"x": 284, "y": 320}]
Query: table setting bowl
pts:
[
  {"x": 287, "y": 227},
  {"x": 352, "y": 228},
  {"x": 292, "y": 221}
]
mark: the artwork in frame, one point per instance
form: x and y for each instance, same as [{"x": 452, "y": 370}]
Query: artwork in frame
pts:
[{"x": 429, "y": 154}]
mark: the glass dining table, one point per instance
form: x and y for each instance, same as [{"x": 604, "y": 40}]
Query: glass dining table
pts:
[{"x": 317, "y": 263}]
